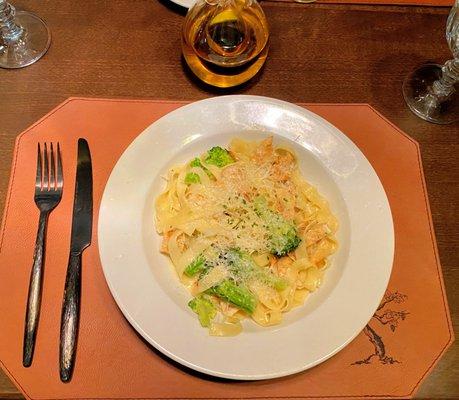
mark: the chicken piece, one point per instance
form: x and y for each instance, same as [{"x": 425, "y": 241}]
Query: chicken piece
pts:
[
  {"x": 181, "y": 242},
  {"x": 283, "y": 167},
  {"x": 264, "y": 151},
  {"x": 285, "y": 203},
  {"x": 283, "y": 265},
  {"x": 315, "y": 233},
  {"x": 165, "y": 242}
]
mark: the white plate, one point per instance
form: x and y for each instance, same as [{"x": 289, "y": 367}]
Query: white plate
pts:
[
  {"x": 184, "y": 3},
  {"x": 144, "y": 283}
]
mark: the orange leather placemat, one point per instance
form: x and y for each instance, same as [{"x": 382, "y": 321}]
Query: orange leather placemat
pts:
[{"x": 390, "y": 358}]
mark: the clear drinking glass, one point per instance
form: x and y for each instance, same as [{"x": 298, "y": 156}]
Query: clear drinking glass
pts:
[
  {"x": 431, "y": 91},
  {"x": 24, "y": 37}
]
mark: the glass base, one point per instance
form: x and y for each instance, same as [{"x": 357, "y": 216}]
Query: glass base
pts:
[
  {"x": 220, "y": 76},
  {"x": 30, "y": 47},
  {"x": 418, "y": 94}
]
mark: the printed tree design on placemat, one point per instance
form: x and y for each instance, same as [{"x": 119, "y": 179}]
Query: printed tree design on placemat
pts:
[{"x": 384, "y": 317}]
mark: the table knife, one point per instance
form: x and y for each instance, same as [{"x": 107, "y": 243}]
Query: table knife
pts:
[{"x": 80, "y": 240}]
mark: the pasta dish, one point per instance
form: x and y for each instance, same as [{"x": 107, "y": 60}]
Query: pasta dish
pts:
[{"x": 247, "y": 235}]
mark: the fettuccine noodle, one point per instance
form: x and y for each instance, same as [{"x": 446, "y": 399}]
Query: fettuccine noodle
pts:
[{"x": 247, "y": 235}]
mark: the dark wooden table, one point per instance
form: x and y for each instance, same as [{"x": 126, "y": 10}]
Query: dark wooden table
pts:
[{"x": 319, "y": 53}]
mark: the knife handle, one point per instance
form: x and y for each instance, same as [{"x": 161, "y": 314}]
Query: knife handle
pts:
[
  {"x": 70, "y": 317},
  {"x": 34, "y": 296}
]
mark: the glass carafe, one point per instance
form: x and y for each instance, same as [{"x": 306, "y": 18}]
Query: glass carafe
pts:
[{"x": 225, "y": 42}]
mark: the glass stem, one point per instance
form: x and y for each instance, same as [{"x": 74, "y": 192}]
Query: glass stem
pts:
[
  {"x": 10, "y": 32},
  {"x": 444, "y": 87}
]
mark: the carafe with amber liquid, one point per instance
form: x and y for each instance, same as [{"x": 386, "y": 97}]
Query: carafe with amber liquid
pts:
[{"x": 225, "y": 42}]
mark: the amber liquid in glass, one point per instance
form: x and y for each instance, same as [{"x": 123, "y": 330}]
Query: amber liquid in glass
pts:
[{"x": 225, "y": 46}]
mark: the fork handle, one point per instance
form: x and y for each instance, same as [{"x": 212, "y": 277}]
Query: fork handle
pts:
[
  {"x": 70, "y": 317},
  {"x": 35, "y": 289}
]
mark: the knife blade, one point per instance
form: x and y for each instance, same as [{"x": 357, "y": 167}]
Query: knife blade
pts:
[
  {"x": 80, "y": 240},
  {"x": 82, "y": 206}
]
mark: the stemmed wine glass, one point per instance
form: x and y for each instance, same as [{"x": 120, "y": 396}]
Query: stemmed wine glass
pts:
[
  {"x": 24, "y": 37},
  {"x": 431, "y": 91}
]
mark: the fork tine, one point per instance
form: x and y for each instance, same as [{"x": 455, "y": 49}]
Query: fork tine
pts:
[
  {"x": 52, "y": 175},
  {"x": 39, "y": 169},
  {"x": 46, "y": 172},
  {"x": 60, "y": 180}
]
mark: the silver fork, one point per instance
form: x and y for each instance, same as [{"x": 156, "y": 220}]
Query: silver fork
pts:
[{"x": 48, "y": 193}]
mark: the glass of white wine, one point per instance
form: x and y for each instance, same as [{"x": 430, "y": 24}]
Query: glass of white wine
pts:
[
  {"x": 432, "y": 91},
  {"x": 24, "y": 37}
]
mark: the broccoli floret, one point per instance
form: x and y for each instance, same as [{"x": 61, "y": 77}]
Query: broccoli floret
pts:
[
  {"x": 242, "y": 265},
  {"x": 219, "y": 157},
  {"x": 235, "y": 294},
  {"x": 197, "y": 266},
  {"x": 196, "y": 162},
  {"x": 283, "y": 235},
  {"x": 192, "y": 177},
  {"x": 242, "y": 270},
  {"x": 204, "y": 308}
]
